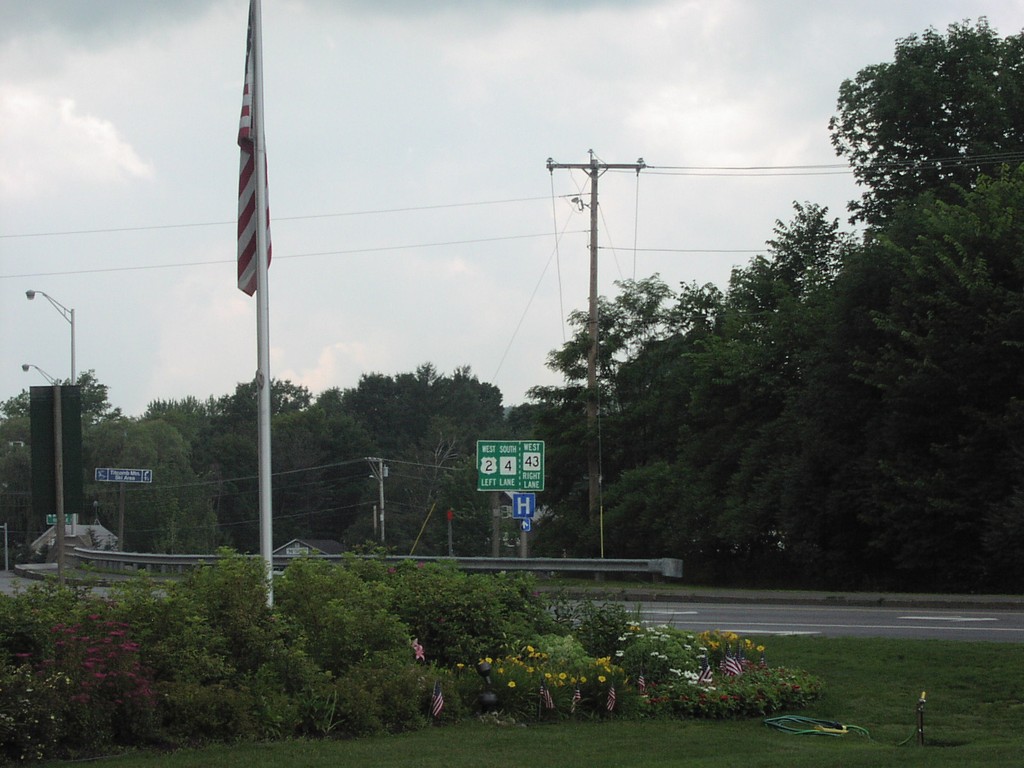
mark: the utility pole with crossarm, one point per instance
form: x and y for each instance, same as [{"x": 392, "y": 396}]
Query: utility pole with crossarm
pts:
[{"x": 594, "y": 169}]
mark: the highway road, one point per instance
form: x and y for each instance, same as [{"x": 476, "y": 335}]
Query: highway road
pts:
[{"x": 920, "y": 622}]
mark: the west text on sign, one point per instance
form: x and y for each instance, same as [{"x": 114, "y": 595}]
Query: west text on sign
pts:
[{"x": 510, "y": 465}]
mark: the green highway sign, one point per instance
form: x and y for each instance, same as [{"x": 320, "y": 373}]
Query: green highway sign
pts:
[
  {"x": 52, "y": 519},
  {"x": 510, "y": 465}
]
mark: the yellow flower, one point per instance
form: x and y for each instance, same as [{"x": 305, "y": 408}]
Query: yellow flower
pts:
[
  {"x": 529, "y": 648},
  {"x": 501, "y": 670},
  {"x": 547, "y": 675},
  {"x": 529, "y": 670},
  {"x": 760, "y": 649},
  {"x": 511, "y": 683},
  {"x": 601, "y": 678},
  {"x": 562, "y": 675},
  {"x": 460, "y": 665},
  {"x": 583, "y": 679}
]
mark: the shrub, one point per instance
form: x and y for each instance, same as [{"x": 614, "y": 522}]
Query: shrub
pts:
[
  {"x": 27, "y": 618},
  {"x": 564, "y": 651},
  {"x": 459, "y": 616},
  {"x": 345, "y": 619},
  {"x": 596, "y": 625},
  {"x": 195, "y": 713},
  {"x": 659, "y": 653},
  {"x": 231, "y": 596},
  {"x": 111, "y": 697},
  {"x": 29, "y": 728}
]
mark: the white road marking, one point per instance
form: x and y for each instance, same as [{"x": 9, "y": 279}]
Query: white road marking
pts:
[{"x": 945, "y": 618}]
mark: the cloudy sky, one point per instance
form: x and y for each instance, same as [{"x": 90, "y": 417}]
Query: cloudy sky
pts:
[{"x": 413, "y": 217}]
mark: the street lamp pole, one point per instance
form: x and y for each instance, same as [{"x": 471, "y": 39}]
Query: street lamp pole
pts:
[
  {"x": 67, "y": 314},
  {"x": 49, "y": 379}
]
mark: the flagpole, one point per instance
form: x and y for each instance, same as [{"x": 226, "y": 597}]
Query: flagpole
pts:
[{"x": 262, "y": 309}]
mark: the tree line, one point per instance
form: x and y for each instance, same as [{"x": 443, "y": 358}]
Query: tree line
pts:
[{"x": 845, "y": 413}]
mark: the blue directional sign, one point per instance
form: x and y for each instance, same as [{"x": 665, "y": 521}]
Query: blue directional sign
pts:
[
  {"x": 112, "y": 475},
  {"x": 524, "y": 505}
]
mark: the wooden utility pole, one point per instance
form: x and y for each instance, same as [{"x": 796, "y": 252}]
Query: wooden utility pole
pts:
[
  {"x": 594, "y": 170},
  {"x": 58, "y": 464}
]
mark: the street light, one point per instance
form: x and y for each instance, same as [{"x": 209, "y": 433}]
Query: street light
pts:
[
  {"x": 67, "y": 314},
  {"x": 52, "y": 381}
]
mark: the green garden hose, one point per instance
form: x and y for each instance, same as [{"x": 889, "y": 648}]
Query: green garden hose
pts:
[{"x": 806, "y": 726}]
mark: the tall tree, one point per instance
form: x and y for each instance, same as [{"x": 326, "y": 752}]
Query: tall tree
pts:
[
  {"x": 426, "y": 425},
  {"x": 947, "y": 442},
  {"x": 945, "y": 109}
]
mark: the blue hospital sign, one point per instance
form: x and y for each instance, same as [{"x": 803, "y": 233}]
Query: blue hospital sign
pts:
[{"x": 524, "y": 505}]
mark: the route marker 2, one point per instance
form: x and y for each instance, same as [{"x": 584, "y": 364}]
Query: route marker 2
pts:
[{"x": 510, "y": 465}]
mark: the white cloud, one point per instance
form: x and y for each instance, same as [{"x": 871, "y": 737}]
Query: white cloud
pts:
[
  {"x": 47, "y": 143},
  {"x": 124, "y": 122}
]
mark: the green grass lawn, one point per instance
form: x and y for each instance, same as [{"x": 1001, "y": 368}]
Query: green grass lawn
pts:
[{"x": 974, "y": 715}]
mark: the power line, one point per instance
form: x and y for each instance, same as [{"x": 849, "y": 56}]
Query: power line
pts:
[
  {"x": 689, "y": 250},
  {"x": 827, "y": 169},
  {"x": 347, "y": 252},
  {"x": 148, "y": 227}
]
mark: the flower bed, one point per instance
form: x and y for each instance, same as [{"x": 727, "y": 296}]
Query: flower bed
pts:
[{"x": 657, "y": 674}]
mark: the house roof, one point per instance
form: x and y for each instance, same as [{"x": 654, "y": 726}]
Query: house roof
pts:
[
  {"x": 312, "y": 546},
  {"x": 91, "y": 535}
]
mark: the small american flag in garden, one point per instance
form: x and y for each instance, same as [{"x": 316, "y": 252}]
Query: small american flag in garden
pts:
[
  {"x": 763, "y": 663},
  {"x": 704, "y": 678},
  {"x": 436, "y": 700},
  {"x": 733, "y": 665},
  {"x": 641, "y": 683},
  {"x": 576, "y": 697},
  {"x": 545, "y": 697},
  {"x": 610, "y": 705}
]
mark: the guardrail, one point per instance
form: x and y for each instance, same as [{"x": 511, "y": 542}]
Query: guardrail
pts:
[{"x": 664, "y": 567}]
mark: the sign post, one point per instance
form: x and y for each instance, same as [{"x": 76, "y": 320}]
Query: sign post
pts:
[
  {"x": 515, "y": 467},
  {"x": 122, "y": 476}
]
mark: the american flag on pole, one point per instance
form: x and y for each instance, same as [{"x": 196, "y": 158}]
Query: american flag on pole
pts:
[
  {"x": 610, "y": 705},
  {"x": 641, "y": 683},
  {"x": 704, "y": 677},
  {"x": 436, "y": 700},
  {"x": 576, "y": 698},
  {"x": 250, "y": 126},
  {"x": 733, "y": 664},
  {"x": 545, "y": 697}
]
